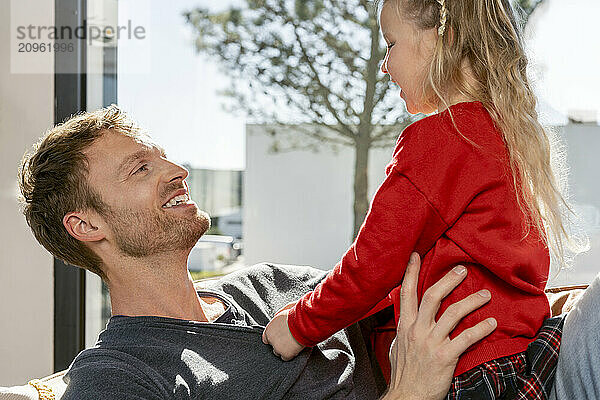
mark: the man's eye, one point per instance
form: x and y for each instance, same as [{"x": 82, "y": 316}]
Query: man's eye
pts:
[{"x": 141, "y": 169}]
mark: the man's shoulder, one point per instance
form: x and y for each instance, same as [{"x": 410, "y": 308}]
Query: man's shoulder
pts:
[
  {"x": 99, "y": 358},
  {"x": 110, "y": 374}
]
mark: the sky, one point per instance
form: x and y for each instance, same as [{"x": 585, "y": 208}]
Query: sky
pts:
[
  {"x": 564, "y": 45},
  {"x": 171, "y": 90}
]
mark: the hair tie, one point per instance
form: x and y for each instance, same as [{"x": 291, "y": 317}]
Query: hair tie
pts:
[{"x": 443, "y": 15}]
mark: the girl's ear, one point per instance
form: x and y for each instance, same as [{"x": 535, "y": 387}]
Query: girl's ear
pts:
[
  {"x": 82, "y": 227},
  {"x": 427, "y": 40}
]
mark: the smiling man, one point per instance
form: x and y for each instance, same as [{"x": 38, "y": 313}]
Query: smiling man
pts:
[
  {"x": 99, "y": 194},
  {"x": 145, "y": 220}
]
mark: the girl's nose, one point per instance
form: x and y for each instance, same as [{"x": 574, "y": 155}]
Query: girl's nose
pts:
[
  {"x": 384, "y": 63},
  {"x": 384, "y": 66}
]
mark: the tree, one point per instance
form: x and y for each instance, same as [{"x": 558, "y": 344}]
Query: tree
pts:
[
  {"x": 311, "y": 63},
  {"x": 318, "y": 60},
  {"x": 528, "y": 6}
]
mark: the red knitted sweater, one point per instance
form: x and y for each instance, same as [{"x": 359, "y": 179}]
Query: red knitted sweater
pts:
[{"x": 453, "y": 203}]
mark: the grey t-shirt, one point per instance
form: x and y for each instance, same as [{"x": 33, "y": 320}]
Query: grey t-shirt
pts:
[{"x": 151, "y": 357}]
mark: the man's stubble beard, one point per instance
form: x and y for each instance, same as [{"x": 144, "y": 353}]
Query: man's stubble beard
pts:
[{"x": 142, "y": 233}]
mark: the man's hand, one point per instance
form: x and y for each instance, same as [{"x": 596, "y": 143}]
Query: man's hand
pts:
[
  {"x": 422, "y": 356},
  {"x": 277, "y": 334}
]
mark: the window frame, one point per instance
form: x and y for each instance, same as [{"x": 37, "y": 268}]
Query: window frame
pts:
[{"x": 70, "y": 97}]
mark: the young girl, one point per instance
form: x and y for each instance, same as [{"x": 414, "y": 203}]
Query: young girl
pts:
[{"x": 469, "y": 185}]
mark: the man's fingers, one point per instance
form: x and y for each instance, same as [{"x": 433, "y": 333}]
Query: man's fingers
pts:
[
  {"x": 457, "y": 311},
  {"x": 432, "y": 298},
  {"x": 470, "y": 336},
  {"x": 408, "y": 291}
]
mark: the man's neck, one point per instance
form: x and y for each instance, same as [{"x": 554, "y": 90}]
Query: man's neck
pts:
[{"x": 158, "y": 286}]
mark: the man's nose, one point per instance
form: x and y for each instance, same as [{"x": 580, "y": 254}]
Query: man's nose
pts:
[{"x": 175, "y": 172}]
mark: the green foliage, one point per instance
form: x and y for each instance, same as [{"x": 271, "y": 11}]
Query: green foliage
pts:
[
  {"x": 197, "y": 275},
  {"x": 307, "y": 10},
  {"x": 528, "y": 6},
  {"x": 214, "y": 230},
  {"x": 313, "y": 64}
]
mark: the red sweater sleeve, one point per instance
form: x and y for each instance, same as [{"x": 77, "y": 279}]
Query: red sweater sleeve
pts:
[{"x": 400, "y": 220}]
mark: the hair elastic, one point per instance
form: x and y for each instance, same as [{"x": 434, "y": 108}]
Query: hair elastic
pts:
[{"x": 443, "y": 15}]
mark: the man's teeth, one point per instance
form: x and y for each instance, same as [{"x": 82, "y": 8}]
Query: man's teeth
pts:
[{"x": 182, "y": 198}]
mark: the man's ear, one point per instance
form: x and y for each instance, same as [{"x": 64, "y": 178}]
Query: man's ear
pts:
[{"x": 81, "y": 226}]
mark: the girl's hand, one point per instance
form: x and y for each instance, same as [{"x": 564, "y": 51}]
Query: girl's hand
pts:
[
  {"x": 422, "y": 356},
  {"x": 277, "y": 334}
]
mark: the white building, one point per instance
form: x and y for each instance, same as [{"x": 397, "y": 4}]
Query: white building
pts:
[
  {"x": 215, "y": 191},
  {"x": 298, "y": 205},
  {"x": 228, "y": 222}
]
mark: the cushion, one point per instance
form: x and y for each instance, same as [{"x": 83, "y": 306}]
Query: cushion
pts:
[{"x": 49, "y": 388}]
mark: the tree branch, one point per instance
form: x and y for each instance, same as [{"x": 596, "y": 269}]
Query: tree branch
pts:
[{"x": 348, "y": 131}]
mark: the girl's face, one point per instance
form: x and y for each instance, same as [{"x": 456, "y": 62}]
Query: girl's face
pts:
[{"x": 409, "y": 53}]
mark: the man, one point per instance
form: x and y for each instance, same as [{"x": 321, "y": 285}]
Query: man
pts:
[{"x": 99, "y": 194}]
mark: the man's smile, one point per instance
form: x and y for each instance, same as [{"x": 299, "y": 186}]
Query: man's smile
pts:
[{"x": 179, "y": 199}]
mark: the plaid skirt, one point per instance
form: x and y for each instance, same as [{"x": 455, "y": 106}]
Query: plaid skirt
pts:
[{"x": 526, "y": 375}]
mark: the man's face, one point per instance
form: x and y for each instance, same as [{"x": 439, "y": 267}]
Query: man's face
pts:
[{"x": 140, "y": 187}]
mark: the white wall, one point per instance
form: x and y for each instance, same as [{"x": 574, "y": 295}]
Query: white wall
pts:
[
  {"x": 298, "y": 205},
  {"x": 582, "y": 147},
  {"x": 26, "y": 283}
]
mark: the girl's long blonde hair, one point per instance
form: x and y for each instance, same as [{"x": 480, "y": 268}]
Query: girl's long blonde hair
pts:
[{"x": 487, "y": 34}]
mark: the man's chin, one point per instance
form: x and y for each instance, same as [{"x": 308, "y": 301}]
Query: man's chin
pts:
[
  {"x": 144, "y": 233},
  {"x": 198, "y": 227}
]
